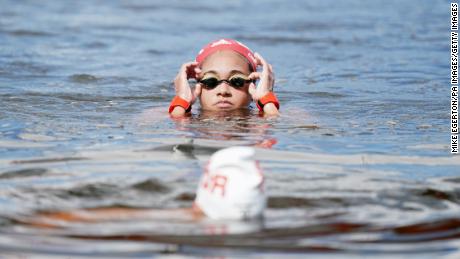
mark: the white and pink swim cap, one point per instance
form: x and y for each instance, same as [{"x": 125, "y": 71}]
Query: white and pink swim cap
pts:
[
  {"x": 227, "y": 44},
  {"x": 232, "y": 186}
]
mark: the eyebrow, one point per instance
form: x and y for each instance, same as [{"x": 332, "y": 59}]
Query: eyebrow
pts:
[{"x": 232, "y": 72}]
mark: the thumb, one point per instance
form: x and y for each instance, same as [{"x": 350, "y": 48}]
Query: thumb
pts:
[{"x": 197, "y": 92}]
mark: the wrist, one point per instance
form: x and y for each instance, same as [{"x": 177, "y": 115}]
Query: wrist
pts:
[
  {"x": 177, "y": 112},
  {"x": 269, "y": 98},
  {"x": 271, "y": 109},
  {"x": 178, "y": 101}
]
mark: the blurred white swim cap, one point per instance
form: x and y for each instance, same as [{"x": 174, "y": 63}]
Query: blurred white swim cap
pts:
[{"x": 232, "y": 186}]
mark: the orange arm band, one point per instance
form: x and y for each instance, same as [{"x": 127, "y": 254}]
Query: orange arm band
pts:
[
  {"x": 177, "y": 101},
  {"x": 268, "y": 98}
]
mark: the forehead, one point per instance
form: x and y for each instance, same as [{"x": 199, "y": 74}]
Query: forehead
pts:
[{"x": 225, "y": 61}]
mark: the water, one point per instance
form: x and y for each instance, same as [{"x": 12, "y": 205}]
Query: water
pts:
[{"x": 358, "y": 165}]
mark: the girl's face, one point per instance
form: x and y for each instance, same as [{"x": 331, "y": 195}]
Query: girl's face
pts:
[{"x": 224, "y": 65}]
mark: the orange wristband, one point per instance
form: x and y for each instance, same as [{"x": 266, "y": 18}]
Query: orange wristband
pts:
[
  {"x": 268, "y": 98},
  {"x": 177, "y": 101}
]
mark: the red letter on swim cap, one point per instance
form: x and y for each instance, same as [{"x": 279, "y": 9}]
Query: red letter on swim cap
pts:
[{"x": 219, "y": 181}]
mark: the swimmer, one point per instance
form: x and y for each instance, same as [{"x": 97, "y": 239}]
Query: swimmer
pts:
[
  {"x": 226, "y": 75},
  {"x": 231, "y": 188}
]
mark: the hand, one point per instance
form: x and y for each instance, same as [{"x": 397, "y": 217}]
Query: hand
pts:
[
  {"x": 266, "y": 77},
  {"x": 183, "y": 90}
]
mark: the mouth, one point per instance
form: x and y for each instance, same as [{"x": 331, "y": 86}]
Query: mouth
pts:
[{"x": 224, "y": 104}]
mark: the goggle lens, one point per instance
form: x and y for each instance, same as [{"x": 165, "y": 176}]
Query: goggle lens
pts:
[
  {"x": 235, "y": 81},
  {"x": 210, "y": 82}
]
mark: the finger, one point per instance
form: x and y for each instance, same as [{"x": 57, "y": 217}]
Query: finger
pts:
[
  {"x": 186, "y": 65},
  {"x": 197, "y": 72},
  {"x": 263, "y": 62},
  {"x": 183, "y": 69},
  {"x": 181, "y": 84},
  {"x": 189, "y": 69},
  {"x": 259, "y": 62},
  {"x": 270, "y": 68},
  {"x": 197, "y": 91},
  {"x": 265, "y": 66},
  {"x": 252, "y": 89},
  {"x": 254, "y": 76}
]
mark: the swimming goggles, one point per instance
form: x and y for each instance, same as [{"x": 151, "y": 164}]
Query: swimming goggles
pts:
[{"x": 236, "y": 81}]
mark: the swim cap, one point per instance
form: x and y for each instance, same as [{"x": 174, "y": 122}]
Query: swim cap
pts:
[
  {"x": 227, "y": 44},
  {"x": 232, "y": 186}
]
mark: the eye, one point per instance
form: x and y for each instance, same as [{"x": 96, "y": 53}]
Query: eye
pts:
[
  {"x": 237, "y": 81},
  {"x": 210, "y": 82}
]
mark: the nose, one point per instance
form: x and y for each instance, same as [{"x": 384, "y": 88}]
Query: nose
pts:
[{"x": 223, "y": 89}]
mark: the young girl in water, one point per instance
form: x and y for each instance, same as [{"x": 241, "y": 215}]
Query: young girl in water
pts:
[{"x": 226, "y": 74}]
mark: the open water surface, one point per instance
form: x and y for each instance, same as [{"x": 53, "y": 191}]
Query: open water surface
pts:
[{"x": 357, "y": 165}]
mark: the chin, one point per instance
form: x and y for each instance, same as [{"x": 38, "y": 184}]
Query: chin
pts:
[
  {"x": 225, "y": 114},
  {"x": 232, "y": 107}
]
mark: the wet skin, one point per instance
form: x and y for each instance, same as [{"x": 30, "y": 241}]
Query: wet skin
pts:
[{"x": 224, "y": 64}]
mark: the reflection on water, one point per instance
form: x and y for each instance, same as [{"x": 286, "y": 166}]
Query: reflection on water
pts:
[
  {"x": 333, "y": 203},
  {"x": 357, "y": 164}
]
